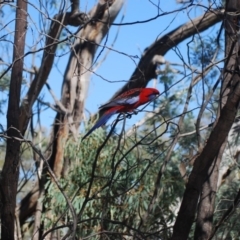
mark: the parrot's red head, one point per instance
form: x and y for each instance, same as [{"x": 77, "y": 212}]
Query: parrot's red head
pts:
[{"x": 148, "y": 94}]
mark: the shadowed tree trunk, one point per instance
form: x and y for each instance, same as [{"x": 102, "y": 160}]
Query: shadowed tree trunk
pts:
[
  {"x": 200, "y": 191},
  {"x": 200, "y": 175},
  {"x": 204, "y": 223},
  {"x": 203, "y": 162},
  {"x": 10, "y": 172}
]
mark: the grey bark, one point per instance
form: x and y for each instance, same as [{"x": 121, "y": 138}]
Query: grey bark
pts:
[
  {"x": 73, "y": 18},
  {"x": 77, "y": 77}
]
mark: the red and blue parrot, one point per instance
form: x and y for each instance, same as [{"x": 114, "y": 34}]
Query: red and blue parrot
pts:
[{"x": 124, "y": 103}]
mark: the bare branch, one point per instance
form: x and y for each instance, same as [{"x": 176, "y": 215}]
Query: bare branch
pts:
[
  {"x": 75, "y": 6},
  {"x": 57, "y": 24}
]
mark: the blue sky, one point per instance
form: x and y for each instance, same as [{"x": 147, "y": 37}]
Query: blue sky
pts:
[{"x": 117, "y": 68}]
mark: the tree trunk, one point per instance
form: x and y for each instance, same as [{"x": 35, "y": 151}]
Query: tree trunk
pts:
[
  {"x": 204, "y": 223},
  {"x": 201, "y": 169},
  {"x": 73, "y": 18},
  {"x": 10, "y": 172},
  {"x": 77, "y": 78}
]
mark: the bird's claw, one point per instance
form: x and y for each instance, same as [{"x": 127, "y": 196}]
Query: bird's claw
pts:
[
  {"x": 129, "y": 116},
  {"x": 135, "y": 112}
]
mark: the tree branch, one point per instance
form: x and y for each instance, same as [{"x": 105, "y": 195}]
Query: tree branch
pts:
[
  {"x": 146, "y": 69},
  {"x": 57, "y": 24}
]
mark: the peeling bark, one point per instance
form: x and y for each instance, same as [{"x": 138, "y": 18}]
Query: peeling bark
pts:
[
  {"x": 77, "y": 77},
  {"x": 59, "y": 21},
  {"x": 74, "y": 18}
]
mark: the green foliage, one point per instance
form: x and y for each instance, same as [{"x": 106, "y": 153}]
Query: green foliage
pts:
[
  {"x": 4, "y": 82},
  {"x": 122, "y": 187},
  {"x": 4, "y": 87},
  {"x": 229, "y": 229},
  {"x": 203, "y": 51},
  {"x": 133, "y": 187}
]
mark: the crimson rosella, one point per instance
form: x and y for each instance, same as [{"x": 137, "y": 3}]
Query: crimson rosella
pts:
[{"x": 124, "y": 103}]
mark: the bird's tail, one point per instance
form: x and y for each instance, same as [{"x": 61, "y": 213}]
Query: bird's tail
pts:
[{"x": 101, "y": 121}]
